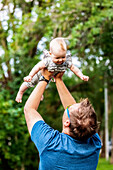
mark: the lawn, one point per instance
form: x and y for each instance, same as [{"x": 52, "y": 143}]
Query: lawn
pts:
[{"x": 104, "y": 165}]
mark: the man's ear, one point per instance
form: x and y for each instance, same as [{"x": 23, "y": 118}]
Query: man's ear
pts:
[{"x": 67, "y": 123}]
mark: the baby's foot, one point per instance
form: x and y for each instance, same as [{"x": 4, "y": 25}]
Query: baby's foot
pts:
[
  {"x": 42, "y": 98},
  {"x": 19, "y": 97}
]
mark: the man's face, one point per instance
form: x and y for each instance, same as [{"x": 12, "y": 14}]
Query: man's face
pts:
[{"x": 59, "y": 59}]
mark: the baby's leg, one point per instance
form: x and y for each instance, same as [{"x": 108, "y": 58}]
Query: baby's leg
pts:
[{"x": 20, "y": 93}]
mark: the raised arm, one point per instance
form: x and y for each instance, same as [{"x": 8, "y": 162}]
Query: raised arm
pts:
[
  {"x": 65, "y": 95},
  {"x": 31, "y": 106},
  {"x": 77, "y": 71},
  {"x": 35, "y": 70}
]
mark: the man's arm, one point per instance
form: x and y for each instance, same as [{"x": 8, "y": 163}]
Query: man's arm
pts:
[
  {"x": 34, "y": 70},
  {"x": 65, "y": 95},
  {"x": 31, "y": 106}
]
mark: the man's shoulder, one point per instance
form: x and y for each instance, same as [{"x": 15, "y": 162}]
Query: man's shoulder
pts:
[
  {"x": 95, "y": 140},
  {"x": 44, "y": 136},
  {"x": 42, "y": 128}
]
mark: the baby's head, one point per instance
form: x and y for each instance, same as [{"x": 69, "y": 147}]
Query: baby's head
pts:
[{"x": 58, "y": 50}]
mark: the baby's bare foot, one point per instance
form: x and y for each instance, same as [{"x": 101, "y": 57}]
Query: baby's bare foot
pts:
[
  {"x": 19, "y": 97},
  {"x": 42, "y": 98}
]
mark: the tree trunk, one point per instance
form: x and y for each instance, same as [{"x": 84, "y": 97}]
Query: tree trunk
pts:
[
  {"x": 22, "y": 167},
  {"x": 103, "y": 145}
]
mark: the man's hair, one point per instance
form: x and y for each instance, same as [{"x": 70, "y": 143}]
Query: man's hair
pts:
[
  {"x": 83, "y": 123},
  {"x": 58, "y": 44}
]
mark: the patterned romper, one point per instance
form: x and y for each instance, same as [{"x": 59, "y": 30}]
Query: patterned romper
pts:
[{"x": 52, "y": 67}]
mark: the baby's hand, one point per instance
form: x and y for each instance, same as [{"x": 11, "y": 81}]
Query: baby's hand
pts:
[
  {"x": 27, "y": 78},
  {"x": 85, "y": 78}
]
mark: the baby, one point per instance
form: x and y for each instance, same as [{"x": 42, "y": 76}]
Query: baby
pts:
[{"x": 56, "y": 60}]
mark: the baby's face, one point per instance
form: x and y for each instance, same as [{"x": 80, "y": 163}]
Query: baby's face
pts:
[{"x": 58, "y": 59}]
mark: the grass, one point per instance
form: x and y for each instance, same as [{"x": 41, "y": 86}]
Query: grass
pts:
[{"x": 104, "y": 165}]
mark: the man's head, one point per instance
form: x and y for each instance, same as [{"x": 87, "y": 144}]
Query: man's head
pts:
[
  {"x": 82, "y": 123},
  {"x": 58, "y": 50}
]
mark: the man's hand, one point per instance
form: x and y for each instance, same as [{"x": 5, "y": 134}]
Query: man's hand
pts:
[
  {"x": 59, "y": 75},
  {"x": 46, "y": 74},
  {"x": 27, "y": 78},
  {"x": 85, "y": 78}
]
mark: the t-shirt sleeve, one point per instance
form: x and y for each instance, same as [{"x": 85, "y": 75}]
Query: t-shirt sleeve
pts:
[
  {"x": 47, "y": 61},
  {"x": 46, "y": 57},
  {"x": 96, "y": 140},
  {"x": 42, "y": 135},
  {"x": 69, "y": 60}
]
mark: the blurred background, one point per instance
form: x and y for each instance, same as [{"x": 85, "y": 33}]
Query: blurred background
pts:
[{"x": 26, "y": 28}]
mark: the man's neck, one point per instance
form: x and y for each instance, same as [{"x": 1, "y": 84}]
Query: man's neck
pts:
[{"x": 66, "y": 131}]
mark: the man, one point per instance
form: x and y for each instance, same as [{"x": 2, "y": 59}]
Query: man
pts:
[{"x": 78, "y": 146}]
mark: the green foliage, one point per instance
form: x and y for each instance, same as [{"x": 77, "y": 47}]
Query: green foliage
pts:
[{"x": 14, "y": 137}]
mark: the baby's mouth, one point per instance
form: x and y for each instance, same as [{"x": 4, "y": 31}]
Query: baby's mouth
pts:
[{"x": 59, "y": 62}]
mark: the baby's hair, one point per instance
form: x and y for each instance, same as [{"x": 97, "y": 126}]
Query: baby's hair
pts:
[{"x": 58, "y": 45}]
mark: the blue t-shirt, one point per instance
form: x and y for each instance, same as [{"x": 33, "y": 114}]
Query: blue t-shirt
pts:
[{"x": 60, "y": 151}]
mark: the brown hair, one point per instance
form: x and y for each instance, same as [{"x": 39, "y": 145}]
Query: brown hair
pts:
[
  {"x": 61, "y": 42},
  {"x": 83, "y": 122}
]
